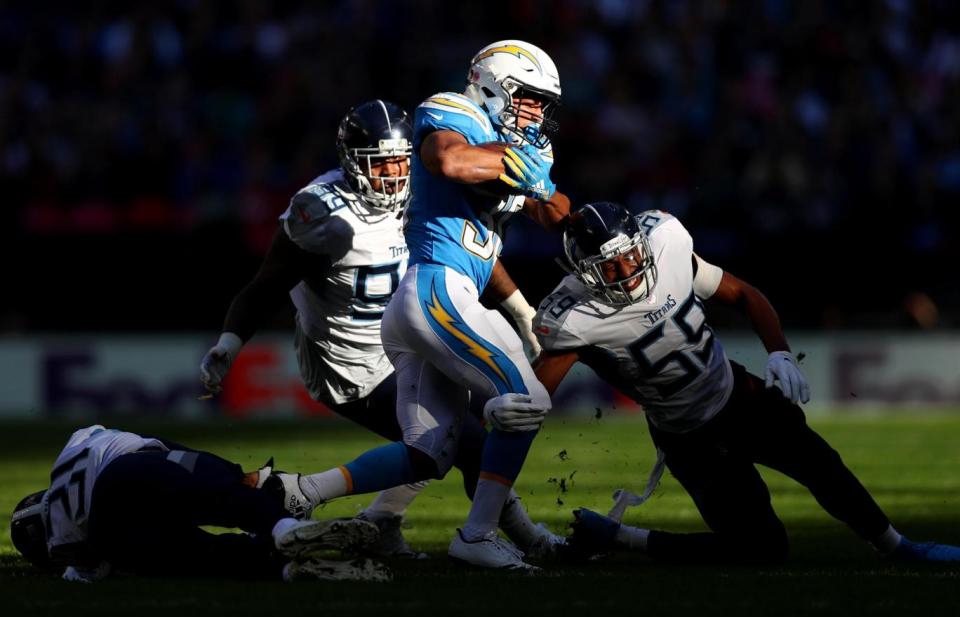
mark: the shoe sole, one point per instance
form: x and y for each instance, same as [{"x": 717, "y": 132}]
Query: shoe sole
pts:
[
  {"x": 337, "y": 534},
  {"x": 327, "y": 570},
  {"x": 519, "y": 565},
  {"x": 526, "y": 567}
]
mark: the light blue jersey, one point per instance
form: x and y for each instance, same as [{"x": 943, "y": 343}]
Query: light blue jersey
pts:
[{"x": 446, "y": 224}]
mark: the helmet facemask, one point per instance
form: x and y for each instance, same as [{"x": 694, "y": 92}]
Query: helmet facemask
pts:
[
  {"x": 589, "y": 269},
  {"x": 358, "y": 163},
  {"x": 508, "y": 70},
  {"x": 543, "y": 128}
]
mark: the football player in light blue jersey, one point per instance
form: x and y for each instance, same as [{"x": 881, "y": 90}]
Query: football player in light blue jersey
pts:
[
  {"x": 478, "y": 158},
  {"x": 340, "y": 254}
]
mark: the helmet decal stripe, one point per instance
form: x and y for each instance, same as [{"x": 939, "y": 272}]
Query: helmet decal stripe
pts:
[
  {"x": 386, "y": 115},
  {"x": 509, "y": 49},
  {"x": 599, "y": 218}
]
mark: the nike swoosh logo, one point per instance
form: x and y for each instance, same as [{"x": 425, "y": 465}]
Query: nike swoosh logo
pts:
[{"x": 435, "y": 116}]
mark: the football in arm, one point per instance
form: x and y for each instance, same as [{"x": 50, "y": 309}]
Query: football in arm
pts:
[{"x": 492, "y": 188}]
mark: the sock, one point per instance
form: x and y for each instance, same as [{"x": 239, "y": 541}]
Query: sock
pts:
[
  {"x": 504, "y": 453},
  {"x": 395, "y": 500},
  {"x": 326, "y": 485},
  {"x": 503, "y": 456},
  {"x": 886, "y": 542},
  {"x": 282, "y": 526},
  {"x": 374, "y": 470},
  {"x": 516, "y": 523},
  {"x": 633, "y": 538},
  {"x": 487, "y": 505},
  {"x": 381, "y": 468}
]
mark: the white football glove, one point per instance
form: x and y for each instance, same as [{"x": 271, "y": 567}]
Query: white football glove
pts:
[
  {"x": 782, "y": 366},
  {"x": 514, "y": 412},
  {"x": 523, "y": 315},
  {"x": 217, "y": 361}
]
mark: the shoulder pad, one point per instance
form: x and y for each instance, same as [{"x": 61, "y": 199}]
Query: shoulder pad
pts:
[
  {"x": 649, "y": 220},
  {"x": 666, "y": 233},
  {"x": 550, "y": 323},
  {"x": 453, "y": 112},
  {"x": 308, "y": 220}
]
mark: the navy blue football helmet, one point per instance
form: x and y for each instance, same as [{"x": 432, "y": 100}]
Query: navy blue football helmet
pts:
[
  {"x": 28, "y": 532},
  {"x": 370, "y": 133},
  {"x": 609, "y": 253}
]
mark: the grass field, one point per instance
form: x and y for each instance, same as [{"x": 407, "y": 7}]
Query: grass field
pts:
[{"x": 911, "y": 465}]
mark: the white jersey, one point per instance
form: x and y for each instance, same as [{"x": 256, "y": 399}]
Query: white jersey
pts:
[
  {"x": 339, "y": 311},
  {"x": 67, "y": 501},
  {"x": 658, "y": 351}
]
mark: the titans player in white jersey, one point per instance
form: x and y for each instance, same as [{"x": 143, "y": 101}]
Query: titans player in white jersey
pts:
[
  {"x": 340, "y": 253},
  {"x": 119, "y": 501},
  {"x": 478, "y": 159},
  {"x": 632, "y": 310}
]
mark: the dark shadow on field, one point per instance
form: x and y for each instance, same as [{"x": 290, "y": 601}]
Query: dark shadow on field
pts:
[{"x": 862, "y": 585}]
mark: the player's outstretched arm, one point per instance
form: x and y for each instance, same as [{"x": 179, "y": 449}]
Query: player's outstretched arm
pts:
[
  {"x": 781, "y": 365},
  {"x": 754, "y": 305},
  {"x": 552, "y": 366},
  {"x": 447, "y": 154},
  {"x": 283, "y": 267},
  {"x": 550, "y": 213}
]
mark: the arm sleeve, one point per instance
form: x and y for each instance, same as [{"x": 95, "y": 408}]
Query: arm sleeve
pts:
[{"x": 706, "y": 279}]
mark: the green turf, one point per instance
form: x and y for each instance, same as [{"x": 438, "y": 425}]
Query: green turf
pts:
[{"x": 911, "y": 464}]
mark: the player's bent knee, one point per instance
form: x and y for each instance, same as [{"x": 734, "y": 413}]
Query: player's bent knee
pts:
[
  {"x": 539, "y": 395},
  {"x": 425, "y": 467}
]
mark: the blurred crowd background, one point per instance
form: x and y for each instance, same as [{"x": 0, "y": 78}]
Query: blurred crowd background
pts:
[{"x": 812, "y": 147}]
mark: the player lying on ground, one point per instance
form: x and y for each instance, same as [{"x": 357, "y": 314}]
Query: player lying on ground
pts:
[
  {"x": 119, "y": 501},
  {"x": 631, "y": 310},
  {"x": 339, "y": 255},
  {"x": 478, "y": 159}
]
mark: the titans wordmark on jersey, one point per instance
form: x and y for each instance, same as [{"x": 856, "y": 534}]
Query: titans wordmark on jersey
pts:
[
  {"x": 339, "y": 311},
  {"x": 447, "y": 223},
  {"x": 659, "y": 351}
]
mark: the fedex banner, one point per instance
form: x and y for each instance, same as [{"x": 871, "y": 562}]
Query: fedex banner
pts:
[{"x": 60, "y": 376}]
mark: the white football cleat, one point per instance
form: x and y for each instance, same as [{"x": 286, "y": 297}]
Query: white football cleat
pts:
[
  {"x": 305, "y": 537},
  {"x": 546, "y": 545},
  {"x": 490, "y": 551},
  {"x": 390, "y": 542},
  {"x": 328, "y": 570},
  {"x": 287, "y": 488}
]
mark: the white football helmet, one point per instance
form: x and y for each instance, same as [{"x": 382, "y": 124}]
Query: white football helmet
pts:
[{"x": 510, "y": 68}]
